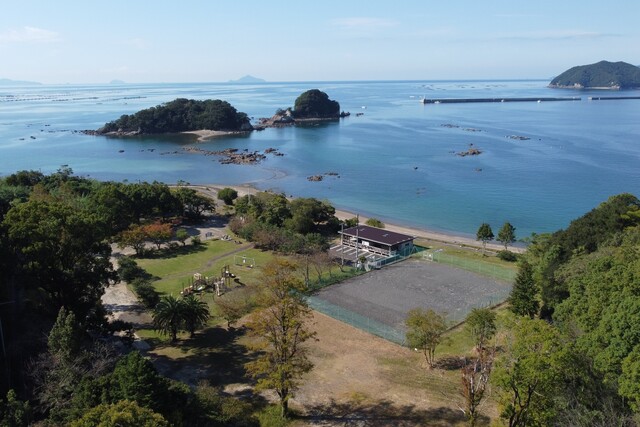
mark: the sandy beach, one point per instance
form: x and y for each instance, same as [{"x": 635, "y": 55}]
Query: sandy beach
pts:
[
  {"x": 205, "y": 134},
  {"x": 211, "y": 190}
]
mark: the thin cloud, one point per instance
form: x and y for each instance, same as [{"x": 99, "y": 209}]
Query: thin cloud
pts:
[
  {"x": 138, "y": 43},
  {"x": 558, "y": 35},
  {"x": 363, "y": 23},
  {"x": 29, "y": 35}
]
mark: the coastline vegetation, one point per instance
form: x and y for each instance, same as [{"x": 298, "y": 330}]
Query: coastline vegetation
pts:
[
  {"x": 180, "y": 115},
  {"x": 575, "y": 300},
  {"x": 601, "y": 75}
]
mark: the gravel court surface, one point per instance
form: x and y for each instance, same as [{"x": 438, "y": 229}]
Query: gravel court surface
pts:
[{"x": 387, "y": 295}]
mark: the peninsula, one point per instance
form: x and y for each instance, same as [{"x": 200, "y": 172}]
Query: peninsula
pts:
[{"x": 601, "y": 75}]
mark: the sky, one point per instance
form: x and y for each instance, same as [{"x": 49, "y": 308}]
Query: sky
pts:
[{"x": 145, "y": 41}]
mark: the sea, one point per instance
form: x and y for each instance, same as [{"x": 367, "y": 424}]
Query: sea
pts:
[{"x": 541, "y": 164}]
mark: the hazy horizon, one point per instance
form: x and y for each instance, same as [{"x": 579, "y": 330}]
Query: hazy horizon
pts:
[{"x": 136, "y": 42}]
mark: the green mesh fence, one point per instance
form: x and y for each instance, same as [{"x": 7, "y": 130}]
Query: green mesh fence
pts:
[
  {"x": 486, "y": 269},
  {"x": 356, "y": 320}
]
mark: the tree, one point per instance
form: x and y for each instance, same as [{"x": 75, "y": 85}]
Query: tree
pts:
[
  {"x": 227, "y": 195},
  {"x": 374, "y": 222},
  {"x": 523, "y": 300},
  {"x": 485, "y": 234},
  {"x": 124, "y": 413},
  {"x": 424, "y": 332},
  {"x": 135, "y": 378},
  {"x": 158, "y": 233},
  {"x": 194, "y": 205},
  {"x": 475, "y": 380},
  {"x": 134, "y": 237},
  {"x": 529, "y": 374},
  {"x": 63, "y": 256},
  {"x": 507, "y": 235},
  {"x": 281, "y": 327},
  {"x": 168, "y": 316},
  {"x": 232, "y": 307},
  {"x": 481, "y": 326},
  {"x": 195, "y": 313},
  {"x": 182, "y": 235},
  {"x": 14, "y": 412}
]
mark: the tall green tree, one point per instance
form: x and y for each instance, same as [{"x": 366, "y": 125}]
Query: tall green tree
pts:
[
  {"x": 528, "y": 375},
  {"x": 425, "y": 330},
  {"x": 168, "y": 317},
  {"x": 62, "y": 255},
  {"x": 506, "y": 235},
  {"x": 480, "y": 324},
  {"x": 227, "y": 195},
  {"x": 484, "y": 234},
  {"x": 124, "y": 413},
  {"x": 195, "y": 313},
  {"x": 282, "y": 329},
  {"x": 523, "y": 299}
]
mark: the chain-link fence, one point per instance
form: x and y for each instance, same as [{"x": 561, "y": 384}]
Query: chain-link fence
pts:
[
  {"x": 358, "y": 321},
  {"x": 486, "y": 269}
]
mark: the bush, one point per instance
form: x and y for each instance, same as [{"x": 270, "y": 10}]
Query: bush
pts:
[
  {"x": 129, "y": 270},
  {"x": 374, "y": 222},
  {"x": 227, "y": 195},
  {"x": 146, "y": 292},
  {"x": 271, "y": 417},
  {"x": 507, "y": 256},
  {"x": 196, "y": 241}
]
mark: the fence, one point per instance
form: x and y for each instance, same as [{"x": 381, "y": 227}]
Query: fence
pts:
[
  {"x": 486, "y": 269},
  {"x": 356, "y": 320}
]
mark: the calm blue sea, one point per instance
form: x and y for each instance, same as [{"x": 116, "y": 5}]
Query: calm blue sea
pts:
[{"x": 395, "y": 162}]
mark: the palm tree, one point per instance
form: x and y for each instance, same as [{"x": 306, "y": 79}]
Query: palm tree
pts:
[
  {"x": 195, "y": 313},
  {"x": 168, "y": 316}
]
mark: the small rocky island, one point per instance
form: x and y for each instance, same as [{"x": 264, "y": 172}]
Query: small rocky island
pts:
[
  {"x": 601, "y": 75},
  {"x": 312, "y": 105}
]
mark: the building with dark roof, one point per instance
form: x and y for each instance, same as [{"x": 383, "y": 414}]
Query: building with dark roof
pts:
[{"x": 377, "y": 240}]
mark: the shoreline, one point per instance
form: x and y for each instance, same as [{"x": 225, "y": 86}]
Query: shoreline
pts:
[
  {"x": 204, "y": 134},
  {"x": 211, "y": 190}
]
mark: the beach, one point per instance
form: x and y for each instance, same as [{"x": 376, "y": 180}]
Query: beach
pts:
[{"x": 211, "y": 190}]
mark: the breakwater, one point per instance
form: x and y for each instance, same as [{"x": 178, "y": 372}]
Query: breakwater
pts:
[
  {"x": 468, "y": 100},
  {"x": 611, "y": 98}
]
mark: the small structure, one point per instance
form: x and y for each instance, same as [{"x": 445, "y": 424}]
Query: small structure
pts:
[{"x": 377, "y": 240}]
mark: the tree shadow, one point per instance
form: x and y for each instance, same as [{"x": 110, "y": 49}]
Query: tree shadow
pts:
[
  {"x": 172, "y": 252},
  {"x": 213, "y": 354},
  {"x": 384, "y": 413},
  {"x": 451, "y": 363}
]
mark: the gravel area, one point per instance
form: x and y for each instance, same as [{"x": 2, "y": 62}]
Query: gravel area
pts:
[{"x": 387, "y": 295}]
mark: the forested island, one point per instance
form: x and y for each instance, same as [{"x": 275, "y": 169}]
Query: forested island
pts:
[
  {"x": 188, "y": 115},
  {"x": 180, "y": 115},
  {"x": 601, "y": 75}
]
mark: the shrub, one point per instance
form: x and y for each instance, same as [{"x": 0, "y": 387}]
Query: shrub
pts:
[
  {"x": 374, "y": 222},
  {"x": 507, "y": 256},
  {"x": 146, "y": 292},
  {"x": 227, "y": 195},
  {"x": 129, "y": 270}
]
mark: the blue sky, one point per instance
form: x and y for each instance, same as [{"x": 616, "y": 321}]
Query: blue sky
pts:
[{"x": 87, "y": 41}]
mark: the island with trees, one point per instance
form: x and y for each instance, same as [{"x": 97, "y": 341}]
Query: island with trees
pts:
[
  {"x": 180, "y": 115},
  {"x": 601, "y": 75}
]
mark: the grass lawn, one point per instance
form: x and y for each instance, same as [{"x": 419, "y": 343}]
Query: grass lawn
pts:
[
  {"x": 175, "y": 269},
  {"x": 470, "y": 259}
]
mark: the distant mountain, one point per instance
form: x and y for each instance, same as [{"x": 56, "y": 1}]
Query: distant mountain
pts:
[
  {"x": 9, "y": 82},
  {"x": 248, "y": 79},
  {"x": 601, "y": 75}
]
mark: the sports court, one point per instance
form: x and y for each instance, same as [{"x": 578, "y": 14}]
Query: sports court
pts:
[{"x": 387, "y": 295}]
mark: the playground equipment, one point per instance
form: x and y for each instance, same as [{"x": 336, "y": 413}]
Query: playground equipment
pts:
[
  {"x": 244, "y": 261},
  {"x": 219, "y": 284}
]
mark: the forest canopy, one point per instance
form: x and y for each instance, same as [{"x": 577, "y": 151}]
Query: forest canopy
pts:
[
  {"x": 603, "y": 74},
  {"x": 181, "y": 115}
]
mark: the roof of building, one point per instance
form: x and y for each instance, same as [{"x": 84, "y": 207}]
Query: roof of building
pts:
[{"x": 378, "y": 235}]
